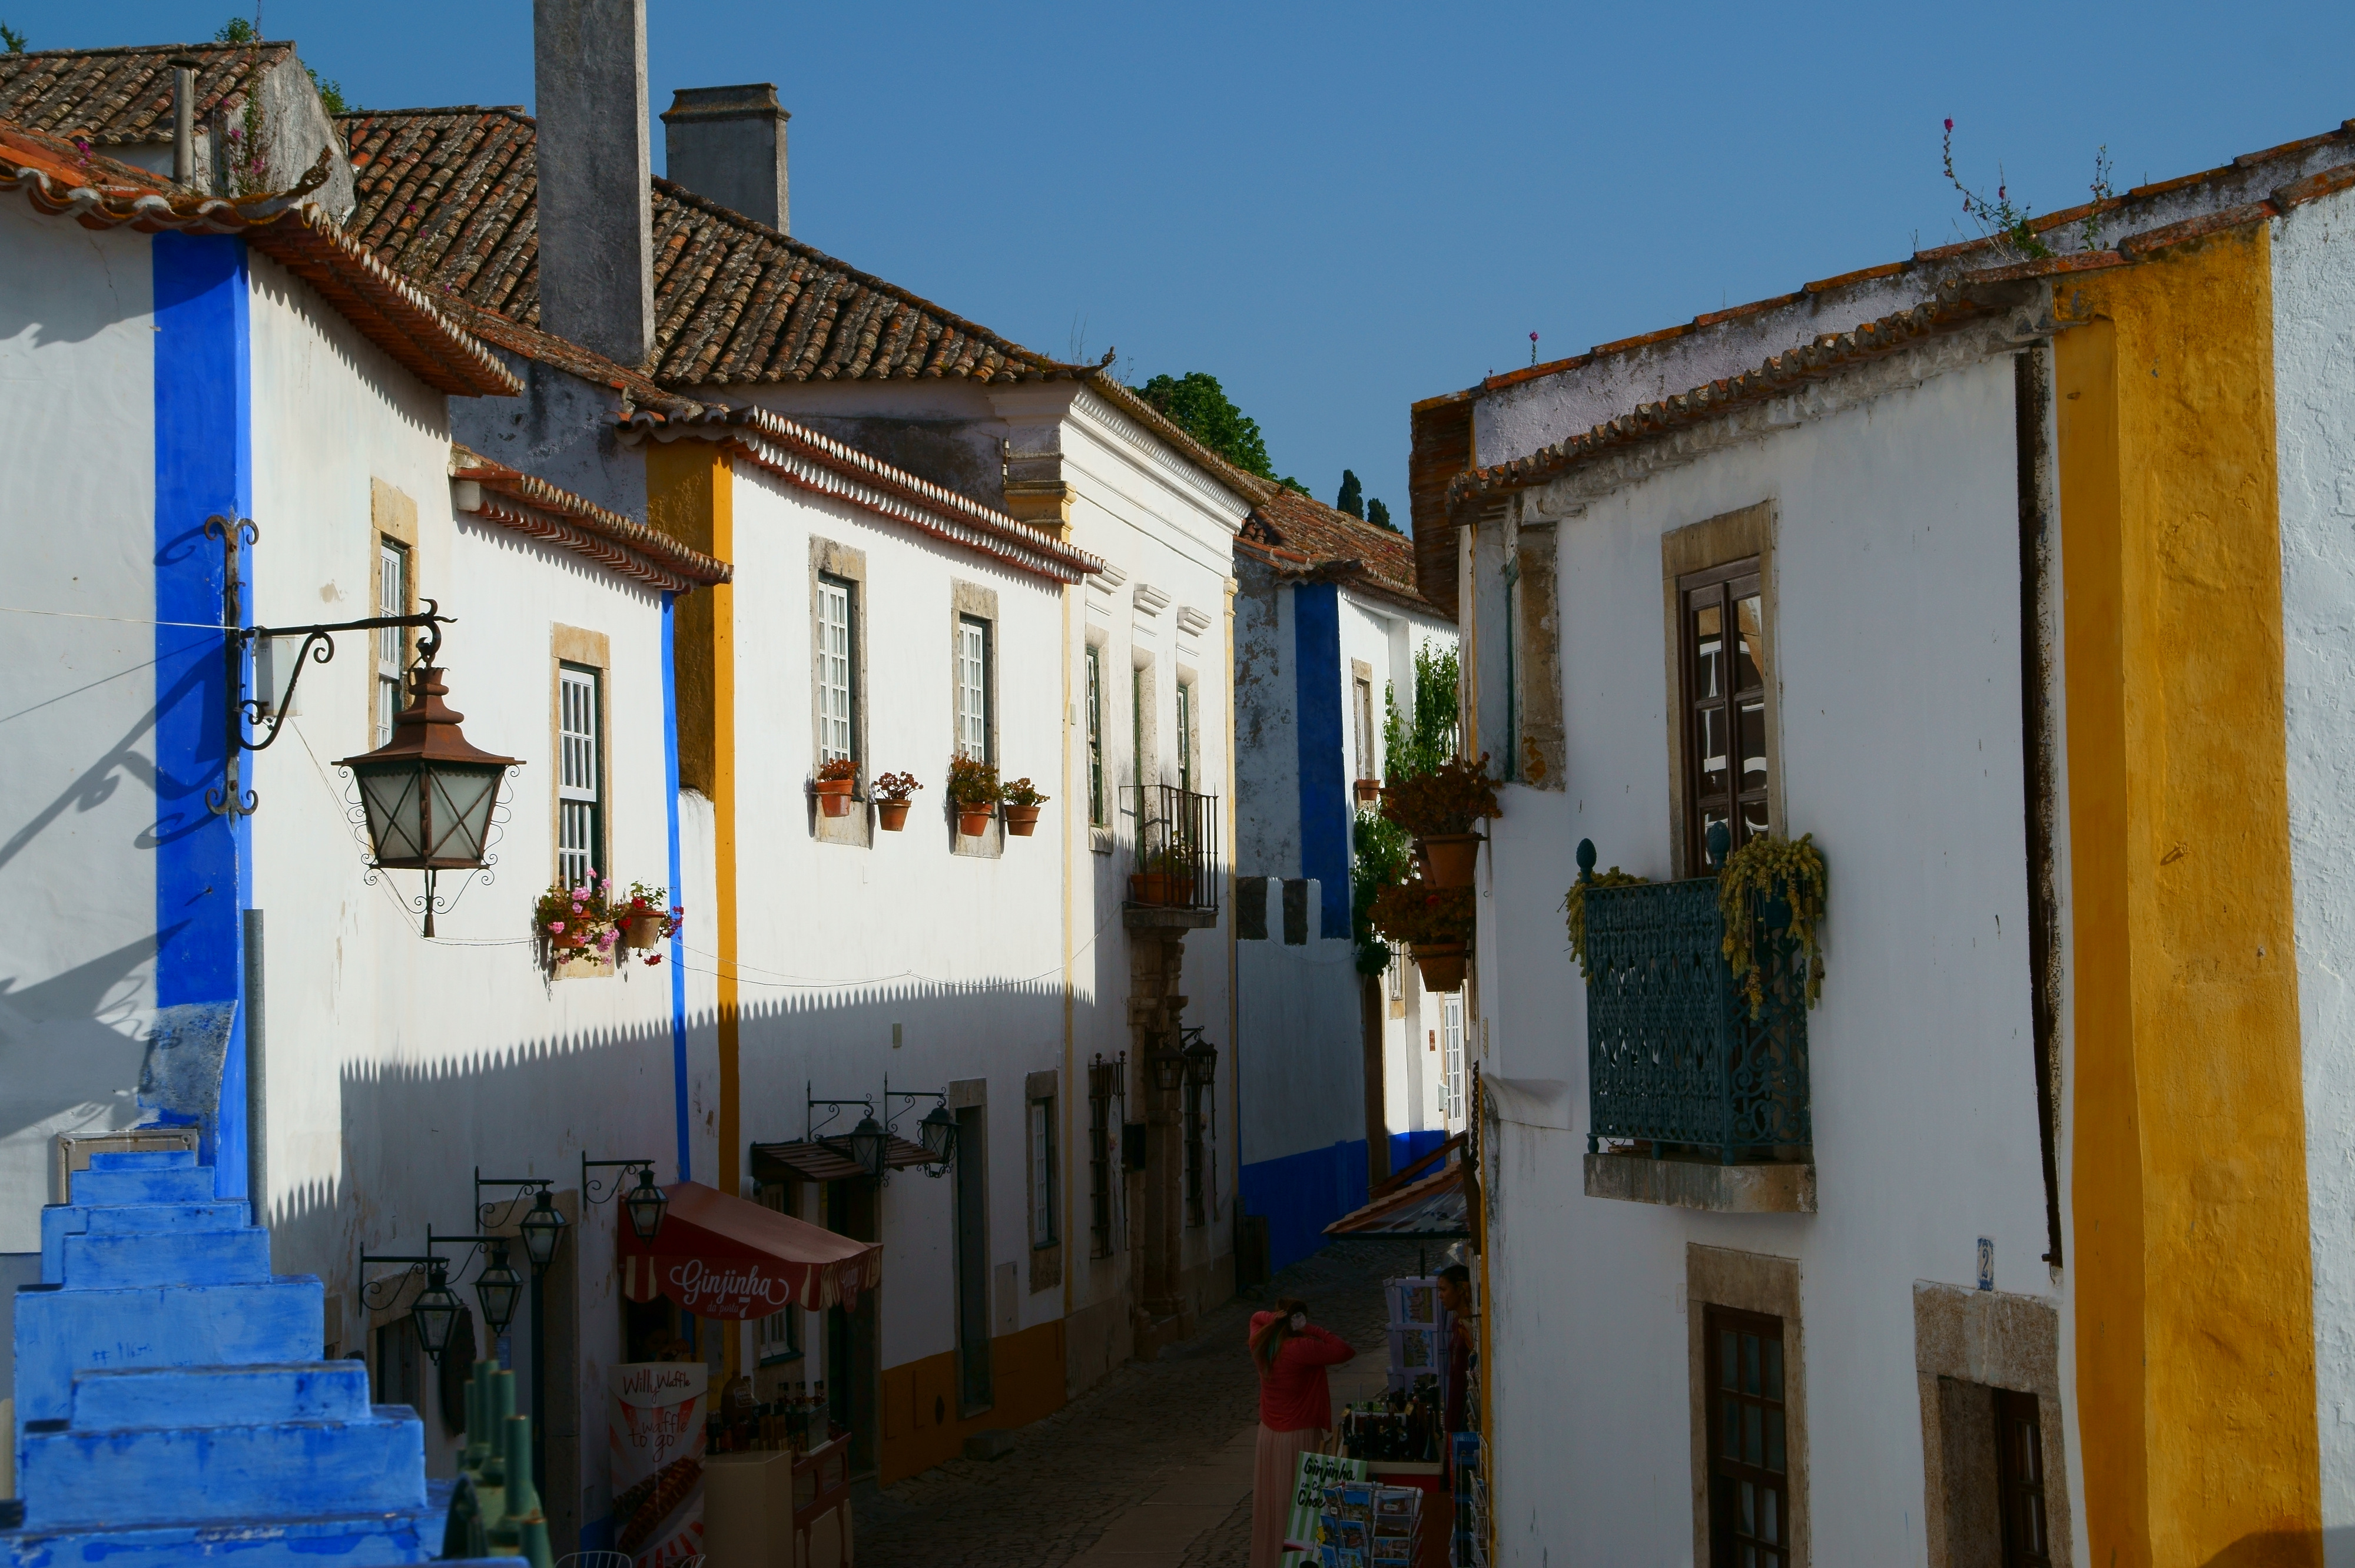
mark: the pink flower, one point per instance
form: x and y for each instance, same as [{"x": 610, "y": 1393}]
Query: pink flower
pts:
[
  {"x": 557, "y": 926},
  {"x": 1950, "y": 122}
]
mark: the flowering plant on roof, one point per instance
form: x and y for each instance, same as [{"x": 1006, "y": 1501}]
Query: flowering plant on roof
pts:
[{"x": 576, "y": 921}]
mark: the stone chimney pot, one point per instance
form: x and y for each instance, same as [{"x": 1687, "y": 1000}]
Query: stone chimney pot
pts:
[{"x": 728, "y": 145}]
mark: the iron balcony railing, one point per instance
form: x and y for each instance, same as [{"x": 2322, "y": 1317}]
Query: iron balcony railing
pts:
[
  {"x": 1676, "y": 1062},
  {"x": 1176, "y": 846}
]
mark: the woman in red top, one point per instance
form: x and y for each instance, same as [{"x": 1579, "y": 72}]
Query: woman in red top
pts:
[{"x": 1296, "y": 1414}]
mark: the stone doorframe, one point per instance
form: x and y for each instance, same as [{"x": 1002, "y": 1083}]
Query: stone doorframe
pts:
[{"x": 1996, "y": 1340}]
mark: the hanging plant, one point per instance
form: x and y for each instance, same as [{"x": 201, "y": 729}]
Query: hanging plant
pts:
[
  {"x": 1767, "y": 868},
  {"x": 577, "y": 923},
  {"x": 1448, "y": 800},
  {"x": 1573, "y": 905},
  {"x": 1417, "y": 914}
]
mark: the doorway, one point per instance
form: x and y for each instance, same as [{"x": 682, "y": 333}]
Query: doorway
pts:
[
  {"x": 853, "y": 1365},
  {"x": 975, "y": 1388}
]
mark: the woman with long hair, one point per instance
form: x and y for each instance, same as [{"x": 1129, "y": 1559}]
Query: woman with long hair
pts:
[{"x": 1295, "y": 1413}]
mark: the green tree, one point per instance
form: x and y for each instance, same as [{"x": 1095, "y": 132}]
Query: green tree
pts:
[
  {"x": 237, "y": 30},
  {"x": 1382, "y": 858},
  {"x": 14, "y": 39},
  {"x": 1197, "y": 404},
  {"x": 1418, "y": 748},
  {"x": 1380, "y": 516},
  {"x": 1352, "y": 499}
]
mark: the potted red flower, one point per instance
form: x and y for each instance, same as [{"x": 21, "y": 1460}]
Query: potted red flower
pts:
[
  {"x": 1440, "y": 808},
  {"x": 836, "y": 780},
  {"x": 891, "y": 791},
  {"x": 1433, "y": 922},
  {"x": 1021, "y": 804},
  {"x": 1167, "y": 879},
  {"x": 575, "y": 925},
  {"x": 647, "y": 919},
  {"x": 974, "y": 792}
]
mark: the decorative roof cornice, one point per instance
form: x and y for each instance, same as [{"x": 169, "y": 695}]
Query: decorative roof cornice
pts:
[
  {"x": 529, "y": 505},
  {"x": 823, "y": 466}
]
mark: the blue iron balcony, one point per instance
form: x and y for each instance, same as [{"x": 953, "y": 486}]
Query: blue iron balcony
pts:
[{"x": 1683, "y": 1074}]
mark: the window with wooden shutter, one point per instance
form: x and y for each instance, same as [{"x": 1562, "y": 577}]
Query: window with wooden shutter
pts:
[
  {"x": 972, "y": 689},
  {"x": 2019, "y": 1477},
  {"x": 1725, "y": 676},
  {"x": 836, "y": 671},
  {"x": 1749, "y": 1485}
]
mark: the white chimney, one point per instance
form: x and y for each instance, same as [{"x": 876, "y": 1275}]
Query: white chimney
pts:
[
  {"x": 728, "y": 145},
  {"x": 596, "y": 199}
]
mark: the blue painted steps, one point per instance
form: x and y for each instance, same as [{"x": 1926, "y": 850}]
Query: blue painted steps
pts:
[{"x": 171, "y": 1406}]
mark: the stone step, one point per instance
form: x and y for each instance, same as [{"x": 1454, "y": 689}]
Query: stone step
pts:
[
  {"x": 221, "y": 1396},
  {"x": 143, "y": 1159},
  {"x": 162, "y": 1184},
  {"x": 59, "y": 1221},
  {"x": 166, "y": 1257},
  {"x": 351, "y": 1540},
  {"x": 61, "y": 1331},
  {"x": 180, "y": 1475}
]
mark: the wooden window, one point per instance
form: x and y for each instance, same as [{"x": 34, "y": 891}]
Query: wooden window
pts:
[
  {"x": 837, "y": 670},
  {"x": 1185, "y": 736},
  {"x": 1363, "y": 712},
  {"x": 391, "y": 642},
  {"x": 579, "y": 785},
  {"x": 973, "y": 687},
  {"x": 399, "y": 1375},
  {"x": 779, "y": 1335},
  {"x": 1749, "y": 1485},
  {"x": 1096, "y": 812},
  {"x": 1042, "y": 1173},
  {"x": 2019, "y": 1474},
  {"x": 1103, "y": 1084},
  {"x": 1724, "y": 657}
]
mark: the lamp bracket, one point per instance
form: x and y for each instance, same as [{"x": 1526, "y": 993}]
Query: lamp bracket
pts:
[
  {"x": 810, "y": 1129},
  {"x": 910, "y": 1096},
  {"x": 595, "y": 1191},
  {"x": 416, "y": 1264},
  {"x": 526, "y": 1187}
]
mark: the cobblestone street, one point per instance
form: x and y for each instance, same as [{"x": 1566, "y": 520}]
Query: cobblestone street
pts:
[{"x": 1149, "y": 1469}]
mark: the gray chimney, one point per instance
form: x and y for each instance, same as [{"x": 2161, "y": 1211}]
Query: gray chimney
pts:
[
  {"x": 728, "y": 145},
  {"x": 596, "y": 199}
]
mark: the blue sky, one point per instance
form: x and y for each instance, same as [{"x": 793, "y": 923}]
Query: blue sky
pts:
[{"x": 1340, "y": 209}]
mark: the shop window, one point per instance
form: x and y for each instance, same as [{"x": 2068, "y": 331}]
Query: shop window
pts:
[
  {"x": 838, "y": 669},
  {"x": 392, "y": 592},
  {"x": 1724, "y": 660},
  {"x": 579, "y": 785},
  {"x": 1097, "y": 814},
  {"x": 973, "y": 687},
  {"x": 778, "y": 1337},
  {"x": 400, "y": 1370},
  {"x": 1749, "y": 1487}
]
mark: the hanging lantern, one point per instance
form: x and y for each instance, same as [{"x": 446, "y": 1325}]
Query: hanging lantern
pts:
[
  {"x": 940, "y": 1132},
  {"x": 1201, "y": 1059},
  {"x": 867, "y": 1142},
  {"x": 1168, "y": 1067},
  {"x": 498, "y": 1289},
  {"x": 428, "y": 794},
  {"x": 543, "y": 1230},
  {"x": 435, "y": 1311},
  {"x": 647, "y": 1204}
]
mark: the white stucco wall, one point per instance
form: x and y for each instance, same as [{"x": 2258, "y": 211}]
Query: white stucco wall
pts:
[
  {"x": 77, "y": 801},
  {"x": 1896, "y": 634},
  {"x": 2314, "y": 364}
]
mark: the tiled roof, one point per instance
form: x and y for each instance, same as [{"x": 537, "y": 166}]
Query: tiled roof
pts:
[
  {"x": 62, "y": 180},
  {"x": 449, "y": 197},
  {"x": 823, "y": 466},
  {"x": 118, "y": 97},
  {"x": 529, "y": 505},
  {"x": 1306, "y": 529},
  {"x": 633, "y": 385}
]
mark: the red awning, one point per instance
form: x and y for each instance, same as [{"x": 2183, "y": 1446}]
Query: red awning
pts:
[{"x": 719, "y": 1256}]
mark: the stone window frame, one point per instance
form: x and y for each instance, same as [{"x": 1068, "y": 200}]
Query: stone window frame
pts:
[
  {"x": 592, "y": 651},
  {"x": 1996, "y": 1339},
  {"x": 1044, "y": 1087},
  {"x": 845, "y": 563},
  {"x": 972, "y": 598},
  {"x": 1696, "y": 548},
  {"x": 1769, "y": 1285}
]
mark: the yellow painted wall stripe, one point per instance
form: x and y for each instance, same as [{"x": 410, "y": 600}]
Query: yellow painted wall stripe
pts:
[{"x": 2194, "y": 1297}]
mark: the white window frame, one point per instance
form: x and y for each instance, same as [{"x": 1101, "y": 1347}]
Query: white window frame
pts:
[
  {"x": 1099, "y": 801},
  {"x": 837, "y": 668},
  {"x": 1040, "y": 1133},
  {"x": 581, "y": 773},
  {"x": 974, "y": 636},
  {"x": 392, "y": 563},
  {"x": 778, "y": 1337},
  {"x": 1185, "y": 736},
  {"x": 1450, "y": 1040}
]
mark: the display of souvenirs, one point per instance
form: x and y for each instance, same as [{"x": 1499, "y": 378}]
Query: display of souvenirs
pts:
[
  {"x": 1360, "y": 1524},
  {"x": 1401, "y": 1425},
  {"x": 1413, "y": 1303}
]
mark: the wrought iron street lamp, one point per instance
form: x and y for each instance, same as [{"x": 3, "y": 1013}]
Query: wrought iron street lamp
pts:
[
  {"x": 1201, "y": 1059},
  {"x": 1168, "y": 1064},
  {"x": 645, "y": 1204},
  {"x": 940, "y": 1132},
  {"x": 869, "y": 1145},
  {"x": 543, "y": 1232},
  {"x": 498, "y": 1288},
  {"x": 938, "y": 1128},
  {"x": 435, "y": 1311}
]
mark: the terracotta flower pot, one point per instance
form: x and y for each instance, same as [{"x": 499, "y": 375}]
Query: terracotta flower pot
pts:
[
  {"x": 1369, "y": 791},
  {"x": 1021, "y": 820},
  {"x": 1442, "y": 964},
  {"x": 644, "y": 931},
  {"x": 834, "y": 795},
  {"x": 1448, "y": 858},
  {"x": 891, "y": 814},
  {"x": 973, "y": 823},
  {"x": 1172, "y": 889}
]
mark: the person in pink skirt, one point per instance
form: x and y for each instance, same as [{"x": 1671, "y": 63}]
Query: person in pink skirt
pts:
[{"x": 1296, "y": 1414}]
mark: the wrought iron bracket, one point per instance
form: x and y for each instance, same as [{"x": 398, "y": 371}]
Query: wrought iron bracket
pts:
[
  {"x": 525, "y": 1187},
  {"x": 595, "y": 1191},
  {"x": 912, "y": 1096}
]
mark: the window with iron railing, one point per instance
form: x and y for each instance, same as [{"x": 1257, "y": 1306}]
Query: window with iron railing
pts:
[{"x": 1177, "y": 848}]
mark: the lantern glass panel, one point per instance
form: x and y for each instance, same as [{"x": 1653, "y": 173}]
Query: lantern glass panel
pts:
[
  {"x": 497, "y": 1290},
  {"x": 1168, "y": 1068},
  {"x": 940, "y": 1130},
  {"x": 1201, "y": 1063},
  {"x": 646, "y": 1205},
  {"x": 867, "y": 1144},
  {"x": 389, "y": 795},
  {"x": 543, "y": 1232},
  {"x": 462, "y": 798},
  {"x": 435, "y": 1313}
]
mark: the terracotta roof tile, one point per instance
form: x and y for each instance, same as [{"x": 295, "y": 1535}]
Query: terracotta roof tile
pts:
[
  {"x": 121, "y": 96},
  {"x": 449, "y": 198},
  {"x": 61, "y": 180},
  {"x": 1324, "y": 536},
  {"x": 528, "y": 505}
]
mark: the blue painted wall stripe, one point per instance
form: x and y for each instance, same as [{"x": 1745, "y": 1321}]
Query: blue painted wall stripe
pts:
[
  {"x": 1300, "y": 1194},
  {"x": 1323, "y": 758},
  {"x": 203, "y": 466},
  {"x": 677, "y": 881}
]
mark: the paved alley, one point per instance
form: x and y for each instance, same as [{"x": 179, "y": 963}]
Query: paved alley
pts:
[{"x": 1149, "y": 1469}]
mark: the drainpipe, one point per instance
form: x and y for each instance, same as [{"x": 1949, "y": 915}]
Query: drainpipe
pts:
[{"x": 184, "y": 121}]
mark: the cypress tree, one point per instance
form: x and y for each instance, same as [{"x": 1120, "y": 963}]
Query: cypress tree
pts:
[{"x": 1353, "y": 495}]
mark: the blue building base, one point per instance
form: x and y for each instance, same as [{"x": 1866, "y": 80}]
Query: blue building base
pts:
[{"x": 1300, "y": 1194}]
